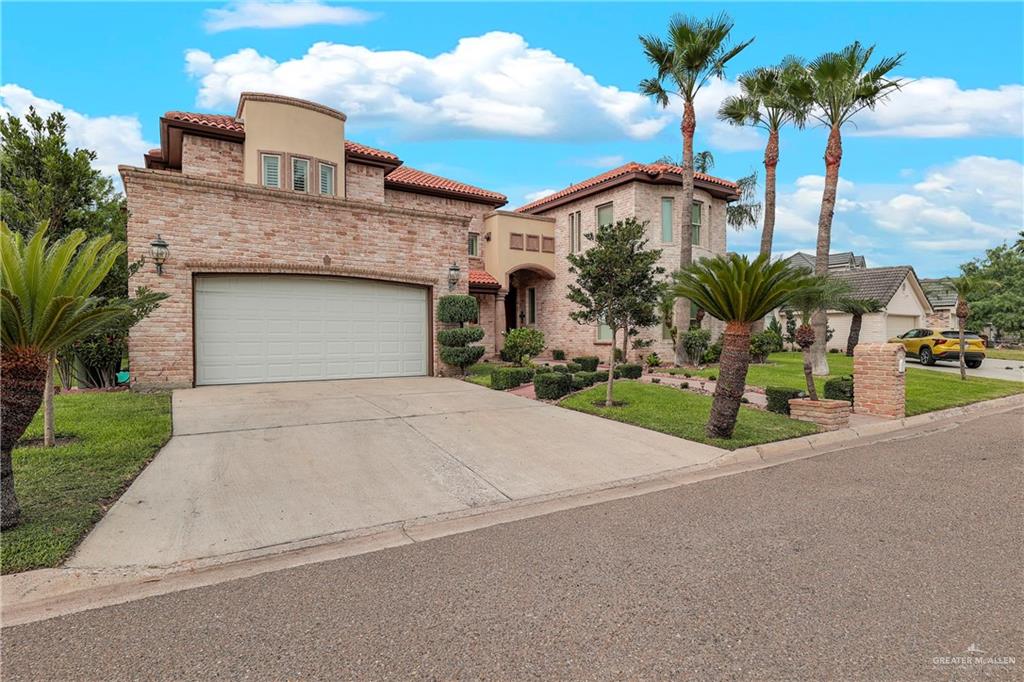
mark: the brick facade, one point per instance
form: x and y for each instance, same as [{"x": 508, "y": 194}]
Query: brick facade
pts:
[
  {"x": 830, "y": 415},
  {"x": 879, "y": 378},
  {"x": 364, "y": 182},
  {"x": 212, "y": 159}
]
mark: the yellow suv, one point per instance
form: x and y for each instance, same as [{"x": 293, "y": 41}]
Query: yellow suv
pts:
[{"x": 929, "y": 345}]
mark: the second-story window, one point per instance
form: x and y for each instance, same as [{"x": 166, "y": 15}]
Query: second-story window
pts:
[
  {"x": 271, "y": 164},
  {"x": 326, "y": 179},
  {"x": 300, "y": 175},
  {"x": 575, "y": 232},
  {"x": 474, "y": 245},
  {"x": 666, "y": 220},
  {"x": 605, "y": 215},
  {"x": 695, "y": 222}
]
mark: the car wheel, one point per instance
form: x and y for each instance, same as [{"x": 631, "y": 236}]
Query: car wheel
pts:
[
  {"x": 925, "y": 355},
  {"x": 974, "y": 364}
]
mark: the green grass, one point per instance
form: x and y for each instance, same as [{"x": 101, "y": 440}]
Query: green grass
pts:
[
  {"x": 926, "y": 390},
  {"x": 1004, "y": 354},
  {"x": 480, "y": 373},
  {"x": 684, "y": 414},
  {"x": 66, "y": 489}
]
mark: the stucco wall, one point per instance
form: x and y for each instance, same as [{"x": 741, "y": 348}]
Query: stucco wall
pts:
[{"x": 219, "y": 227}]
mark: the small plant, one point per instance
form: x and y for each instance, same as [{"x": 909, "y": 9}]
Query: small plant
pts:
[
  {"x": 840, "y": 388},
  {"x": 558, "y": 354},
  {"x": 763, "y": 344},
  {"x": 631, "y": 370},
  {"x": 713, "y": 377},
  {"x": 687, "y": 374},
  {"x": 522, "y": 344},
  {"x": 573, "y": 367},
  {"x": 684, "y": 385},
  {"x": 655, "y": 380},
  {"x": 618, "y": 354},
  {"x": 833, "y": 350},
  {"x": 653, "y": 360},
  {"x": 714, "y": 353},
  {"x": 779, "y": 397},
  {"x": 552, "y": 386},
  {"x": 696, "y": 341},
  {"x": 587, "y": 362},
  {"x": 454, "y": 343}
]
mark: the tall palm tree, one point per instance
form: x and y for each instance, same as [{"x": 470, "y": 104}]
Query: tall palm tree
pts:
[
  {"x": 739, "y": 292},
  {"x": 858, "y": 308},
  {"x": 770, "y": 98},
  {"x": 817, "y": 293},
  {"x": 695, "y": 51},
  {"x": 965, "y": 286},
  {"x": 45, "y": 304},
  {"x": 841, "y": 85}
]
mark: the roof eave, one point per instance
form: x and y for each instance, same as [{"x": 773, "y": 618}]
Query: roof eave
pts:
[
  {"x": 446, "y": 193},
  {"x": 714, "y": 189}
]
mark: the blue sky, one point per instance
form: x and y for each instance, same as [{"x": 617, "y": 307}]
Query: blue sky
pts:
[{"x": 530, "y": 97}]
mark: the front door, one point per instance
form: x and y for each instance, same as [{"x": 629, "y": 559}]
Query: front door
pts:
[{"x": 510, "y": 307}]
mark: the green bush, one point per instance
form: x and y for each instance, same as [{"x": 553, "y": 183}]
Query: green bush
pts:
[
  {"x": 713, "y": 353},
  {"x": 558, "y": 354},
  {"x": 460, "y": 356},
  {"x": 457, "y": 308},
  {"x": 684, "y": 384},
  {"x": 561, "y": 369},
  {"x": 617, "y": 354},
  {"x": 600, "y": 376},
  {"x": 779, "y": 397},
  {"x": 840, "y": 388},
  {"x": 578, "y": 382},
  {"x": 655, "y": 380},
  {"x": 586, "y": 377},
  {"x": 522, "y": 343},
  {"x": 460, "y": 336},
  {"x": 696, "y": 341},
  {"x": 504, "y": 378},
  {"x": 552, "y": 386},
  {"x": 631, "y": 370},
  {"x": 653, "y": 360},
  {"x": 763, "y": 344},
  {"x": 587, "y": 362},
  {"x": 833, "y": 350},
  {"x": 543, "y": 369},
  {"x": 574, "y": 367},
  {"x": 713, "y": 377}
]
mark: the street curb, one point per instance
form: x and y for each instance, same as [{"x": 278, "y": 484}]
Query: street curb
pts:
[{"x": 46, "y": 593}]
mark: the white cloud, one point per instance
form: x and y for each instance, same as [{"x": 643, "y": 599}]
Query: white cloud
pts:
[
  {"x": 938, "y": 107},
  {"x": 490, "y": 85},
  {"x": 539, "y": 194},
  {"x": 276, "y": 14},
  {"x": 115, "y": 139}
]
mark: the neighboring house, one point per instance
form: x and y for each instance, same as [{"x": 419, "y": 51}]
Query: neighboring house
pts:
[
  {"x": 943, "y": 299},
  {"x": 897, "y": 288},
  {"x": 648, "y": 192}
]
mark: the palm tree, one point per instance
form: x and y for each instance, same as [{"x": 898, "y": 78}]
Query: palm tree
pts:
[
  {"x": 841, "y": 85},
  {"x": 45, "y": 304},
  {"x": 857, "y": 308},
  {"x": 770, "y": 97},
  {"x": 816, "y": 293},
  {"x": 695, "y": 51},
  {"x": 965, "y": 286},
  {"x": 739, "y": 292}
]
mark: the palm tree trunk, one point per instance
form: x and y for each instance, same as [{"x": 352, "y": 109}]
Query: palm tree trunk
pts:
[
  {"x": 22, "y": 380},
  {"x": 732, "y": 380},
  {"x": 48, "y": 427},
  {"x": 851, "y": 341},
  {"x": 682, "y": 305},
  {"x": 812, "y": 392},
  {"x": 833, "y": 158},
  {"x": 608, "y": 400},
  {"x": 771, "y": 162},
  {"x": 963, "y": 347}
]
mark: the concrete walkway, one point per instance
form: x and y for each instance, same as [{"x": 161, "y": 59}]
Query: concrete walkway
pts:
[{"x": 251, "y": 467}]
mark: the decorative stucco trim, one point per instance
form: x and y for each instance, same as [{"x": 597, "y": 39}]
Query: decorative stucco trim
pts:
[
  {"x": 291, "y": 101},
  {"x": 178, "y": 180},
  {"x": 200, "y": 267}
]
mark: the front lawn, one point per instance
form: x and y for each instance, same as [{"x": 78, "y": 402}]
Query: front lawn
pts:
[
  {"x": 927, "y": 390},
  {"x": 1004, "y": 354},
  {"x": 65, "y": 490},
  {"x": 684, "y": 414},
  {"x": 480, "y": 373}
]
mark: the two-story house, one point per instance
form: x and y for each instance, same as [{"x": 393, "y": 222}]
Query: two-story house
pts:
[{"x": 292, "y": 253}]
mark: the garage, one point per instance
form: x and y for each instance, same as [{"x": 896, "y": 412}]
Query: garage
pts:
[
  {"x": 264, "y": 328},
  {"x": 899, "y": 324}
]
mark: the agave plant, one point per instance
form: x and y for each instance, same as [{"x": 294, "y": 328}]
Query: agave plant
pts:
[
  {"x": 739, "y": 292},
  {"x": 45, "y": 304}
]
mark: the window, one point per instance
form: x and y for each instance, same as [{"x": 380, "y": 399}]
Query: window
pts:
[
  {"x": 604, "y": 332},
  {"x": 271, "y": 170},
  {"x": 605, "y": 215},
  {"x": 666, "y": 220},
  {"x": 474, "y": 245},
  {"x": 695, "y": 222},
  {"x": 531, "y": 305},
  {"x": 575, "y": 232},
  {"x": 326, "y": 179},
  {"x": 666, "y": 332},
  {"x": 694, "y": 308},
  {"x": 300, "y": 175}
]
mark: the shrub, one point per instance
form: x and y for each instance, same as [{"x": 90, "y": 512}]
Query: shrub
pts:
[
  {"x": 696, "y": 341},
  {"x": 617, "y": 354},
  {"x": 586, "y": 377},
  {"x": 543, "y": 369},
  {"x": 779, "y": 397},
  {"x": 655, "y": 380},
  {"x": 456, "y": 309},
  {"x": 618, "y": 373},
  {"x": 522, "y": 343},
  {"x": 713, "y": 353},
  {"x": 558, "y": 354},
  {"x": 685, "y": 384},
  {"x": 578, "y": 382},
  {"x": 631, "y": 370},
  {"x": 600, "y": 376},
  {"x": 587, "y": 362},
  {"x": 764, "y": 343},
  {"x": 561, "y": 369},
  {"x": 713, "y": 377},
  {"x": 840, "y": 388},
  {"x": 653, "y": 360},
  {"x": 687, "y": 374},
  {"x": 460, "y": 336},
  {"x": 504, "y": 378},
  {"x": 574, "y": 367},
  {"x": 460, "y": 356},
  {"x": 833, "y": 350},
  {"x": 552, "y": 386}
]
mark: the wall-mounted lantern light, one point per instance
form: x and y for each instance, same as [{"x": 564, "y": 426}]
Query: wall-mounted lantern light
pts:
[
  {"x": 453, "y": 275},
  {"x": 158, "y": 249}
]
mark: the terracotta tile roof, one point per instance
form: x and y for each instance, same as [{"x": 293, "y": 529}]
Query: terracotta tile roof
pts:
[
  {"x": 220, "y": 121},
  {"x": 410, "y": 177},
  {"x": 482, "y": 278},
  {"x": 651, "y": 169},
  {"x": 364, "y": 150}
]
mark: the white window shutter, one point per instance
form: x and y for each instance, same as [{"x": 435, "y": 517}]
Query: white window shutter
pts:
[{"x": 271, "y": 170}]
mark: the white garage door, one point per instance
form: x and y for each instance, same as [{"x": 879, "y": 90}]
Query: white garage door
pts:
[
  {"x": 258, "y": 328},
  {"x": 899, "y": 324}
]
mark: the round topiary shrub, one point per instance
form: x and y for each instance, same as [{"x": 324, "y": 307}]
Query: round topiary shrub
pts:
[
  {"x": 552, "y": 386},
  {"x": 460, "y": 336},
  {"x": 578, "y": 382},
  {"x": 522, "y": 344},
  {"x": 587, "y": 362},
  {"x": 631, "y": 370},
  {"x": 574, "y": 367},
  {"x": 457, "y": 309},
  {"x": 454, "y": 343}
]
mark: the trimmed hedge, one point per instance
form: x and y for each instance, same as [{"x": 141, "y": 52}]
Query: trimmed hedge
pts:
[
  {"x": 574, "y": 367},
  {"x": 457, "y": 308},
  {"x": 586, "y": 377},
  {"x": 600, "y": 375},
  {"x": 840, "y": 388},
  {"x": 631, "y": 370},
  {"x": 578, "y": 382},
  {"x": 587, "y": 362},
  {"x": 460, "y": 356},
  {"x": 504, "y": 378},
  {"x": 591, "y": 377},
  {"x": 543, "y": 369},
  {"x": 779, "y": 397},
  {"x": 552, "y": 386},
  {"x": 558, "y": 354},
  {"x": 460, "y": 336},
  {"x": 561, "y": 369}
]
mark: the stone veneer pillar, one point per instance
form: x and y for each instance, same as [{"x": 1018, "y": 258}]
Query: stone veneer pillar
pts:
[{"x": 879, "y": 380}]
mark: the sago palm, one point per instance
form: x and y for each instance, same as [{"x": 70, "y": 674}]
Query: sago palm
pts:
[
  {"x": 770, "y": 98},
  {"x": 45, "y": 304},
  {"x": 857, "y": 309},
  {"x": 817, "y": 294},
  {"x": 842, "y": 84},
  {"x": 965, "y": 286},
  {"x": 694, "y": 52},
  {"x": 739, "y": 292}
]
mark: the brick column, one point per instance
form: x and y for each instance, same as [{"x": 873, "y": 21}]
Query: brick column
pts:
[
  {"x": 499, "y": 320},
  {"x": 879, "y": 380}
]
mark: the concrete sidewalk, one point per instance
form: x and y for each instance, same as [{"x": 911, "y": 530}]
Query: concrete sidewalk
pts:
[{"x": 254, "y": 467}]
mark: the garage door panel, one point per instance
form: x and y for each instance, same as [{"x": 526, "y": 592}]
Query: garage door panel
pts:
[{"x": 286, "y": 328}]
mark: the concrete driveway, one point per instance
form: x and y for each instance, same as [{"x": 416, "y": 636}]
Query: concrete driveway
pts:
[
  {"x": 251, "y": 467},
  {"x": 991, "y": 368}
]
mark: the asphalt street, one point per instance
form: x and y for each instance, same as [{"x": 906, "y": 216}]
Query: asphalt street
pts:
[{"x": 887, "y": 561}]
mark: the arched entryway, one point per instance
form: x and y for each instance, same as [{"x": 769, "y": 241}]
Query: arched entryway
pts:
[{"x": 527, "y": 286}]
